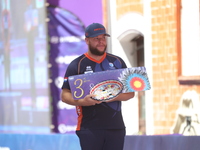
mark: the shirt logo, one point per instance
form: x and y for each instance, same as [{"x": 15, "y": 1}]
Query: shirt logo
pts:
[
  {"x": 65, "y": 79},
  {"x": 88, "y": 70},
  {"x": 111, "y": 66}
]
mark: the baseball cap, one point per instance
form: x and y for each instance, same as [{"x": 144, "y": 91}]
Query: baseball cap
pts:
[{"x": 95, "y": 29}]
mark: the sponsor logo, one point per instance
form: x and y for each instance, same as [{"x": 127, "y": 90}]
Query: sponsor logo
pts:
[
  {"x": 98, "y": 29},
  {"x": 88, "y": 70},
  {"x": 58, "y": 82},
  {"x": 62, "y": 105},
  {"x": 64, "y": 39},
  {"x": 66, "y": 128},
  {"x": 111, "y": 66},
  {"x": 65, "y": 59}
]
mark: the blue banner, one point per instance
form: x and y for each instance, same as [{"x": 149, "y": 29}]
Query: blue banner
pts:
[
  {"x": 66, "y": 42},
  {"x": 39, "y": 142}
]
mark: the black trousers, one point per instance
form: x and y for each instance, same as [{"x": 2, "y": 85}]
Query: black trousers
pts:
[{"x": 111, "y": 139}]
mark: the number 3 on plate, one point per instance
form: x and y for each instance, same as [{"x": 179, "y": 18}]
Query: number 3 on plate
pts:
[{"x": 78, "y": 83}]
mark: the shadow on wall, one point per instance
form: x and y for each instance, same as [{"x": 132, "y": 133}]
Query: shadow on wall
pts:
[{"x": 188, "y": 115}]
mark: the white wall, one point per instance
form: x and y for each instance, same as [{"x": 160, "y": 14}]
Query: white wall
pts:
[{"x": 122, "y": 31}]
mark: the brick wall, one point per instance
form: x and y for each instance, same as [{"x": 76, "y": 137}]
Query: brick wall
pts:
[
  {"x": 105, "y": 12},
  {"x": 126, "y": 6},
  {"x": 166, "y": 57},
  {"x": 166, "y": 60},
  {"x": 165, "y": 64}
]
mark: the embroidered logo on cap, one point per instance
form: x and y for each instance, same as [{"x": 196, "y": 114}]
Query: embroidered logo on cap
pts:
[{"x": 99, "y": 29}]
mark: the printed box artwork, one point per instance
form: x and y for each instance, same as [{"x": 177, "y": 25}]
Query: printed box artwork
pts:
[{"x": 106, "y": 85}]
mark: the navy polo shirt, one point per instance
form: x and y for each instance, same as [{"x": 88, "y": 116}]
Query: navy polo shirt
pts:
[{"x": 99, "y": 116}]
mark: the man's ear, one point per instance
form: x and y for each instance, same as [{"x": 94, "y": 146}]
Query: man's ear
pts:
[{"x": 87, "y": 40}]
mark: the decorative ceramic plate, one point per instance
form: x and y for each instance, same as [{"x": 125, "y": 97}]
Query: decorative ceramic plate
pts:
[{"x": 106, "y": 90}]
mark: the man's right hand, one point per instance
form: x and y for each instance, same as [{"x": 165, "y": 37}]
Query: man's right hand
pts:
[{"x": 66, "y": 97}]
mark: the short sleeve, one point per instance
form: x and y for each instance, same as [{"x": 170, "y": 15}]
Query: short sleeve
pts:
[{"x": 71, "y": 70}]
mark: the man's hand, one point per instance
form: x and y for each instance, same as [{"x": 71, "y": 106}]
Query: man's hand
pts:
[
  {"x": 89, "y": 101},
  {"x": 122, "y": 97},
  {"x": 66, "y": 97}
]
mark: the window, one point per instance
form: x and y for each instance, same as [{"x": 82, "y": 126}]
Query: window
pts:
[{"x": 190, "y": 42}]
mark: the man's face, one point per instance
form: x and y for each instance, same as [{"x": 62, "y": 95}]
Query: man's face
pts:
[{"x": 97, "y": 45}]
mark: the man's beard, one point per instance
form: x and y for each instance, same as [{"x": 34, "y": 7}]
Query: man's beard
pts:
[{"x": 95, "y": 51}]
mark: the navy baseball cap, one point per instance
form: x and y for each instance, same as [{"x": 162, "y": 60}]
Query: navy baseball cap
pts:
[{"x": 95, "y": 29}]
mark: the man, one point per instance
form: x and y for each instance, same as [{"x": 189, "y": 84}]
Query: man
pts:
[{"x": 100, "y": 124}]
